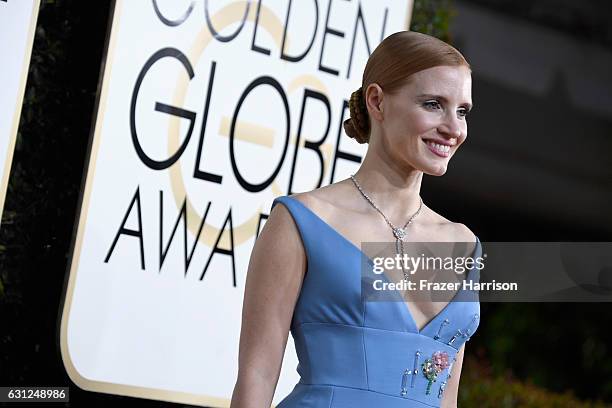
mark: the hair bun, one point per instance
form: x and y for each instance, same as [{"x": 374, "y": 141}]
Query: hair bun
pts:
[{"x": 358, "y": 125}]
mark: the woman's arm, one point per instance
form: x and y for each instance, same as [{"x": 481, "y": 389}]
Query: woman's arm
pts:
[
  {"x": 274, "y": 279},
  {"x": 451, "y": 391}
]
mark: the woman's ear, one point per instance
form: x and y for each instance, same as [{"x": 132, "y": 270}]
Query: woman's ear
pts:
[{"x": 374, "y": 101}]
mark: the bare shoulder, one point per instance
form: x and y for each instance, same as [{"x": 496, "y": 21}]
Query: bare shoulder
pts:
[
  {"x": 451, "y": 231},
  {"x": 462, "y": 233},
  {"x": 279, "y": 246},
  {"x": 280, "y": 232},
  {"x": 308, "y": 198},
  {"x": 281, "y": 225},
  {"x": 325, "y": 199}
]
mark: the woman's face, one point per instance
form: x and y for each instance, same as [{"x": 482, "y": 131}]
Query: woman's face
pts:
[{"x": 422, "y": 125}]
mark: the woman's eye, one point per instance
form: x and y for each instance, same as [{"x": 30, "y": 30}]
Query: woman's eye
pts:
[
  {"x": 463, "y": 113},
  {"x": 432, "y": 104}
]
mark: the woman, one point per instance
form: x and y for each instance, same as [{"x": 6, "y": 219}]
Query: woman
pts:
[{"x": 304, "y": 272}]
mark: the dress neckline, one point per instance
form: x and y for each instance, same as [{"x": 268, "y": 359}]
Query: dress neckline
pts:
[{"x": 405, "y": 309}]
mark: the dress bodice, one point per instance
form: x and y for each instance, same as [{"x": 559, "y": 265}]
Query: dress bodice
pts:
[{"x": 358, "y": 353}]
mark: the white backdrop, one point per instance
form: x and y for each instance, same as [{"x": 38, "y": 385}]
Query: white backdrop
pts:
[
  {"x": 202, "y": 128},
  {"x": 17, "y": 26}
]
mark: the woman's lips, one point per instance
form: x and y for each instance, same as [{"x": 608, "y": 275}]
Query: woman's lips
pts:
[{"x": 438, "y": 149}]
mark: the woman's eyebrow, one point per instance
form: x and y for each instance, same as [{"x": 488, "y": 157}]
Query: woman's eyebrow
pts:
[{"x": 467, "y": 104}]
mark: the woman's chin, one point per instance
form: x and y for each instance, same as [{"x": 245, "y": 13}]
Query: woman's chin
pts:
[
  {"x": 433, "y": 165},
  {"x": 435, "y": 170}
]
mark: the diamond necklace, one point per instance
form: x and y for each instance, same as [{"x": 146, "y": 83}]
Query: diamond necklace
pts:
[{"x": 398, "y": 233}]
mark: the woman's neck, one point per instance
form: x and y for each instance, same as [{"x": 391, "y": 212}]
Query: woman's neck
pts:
[{"x": 394, "y": 190}]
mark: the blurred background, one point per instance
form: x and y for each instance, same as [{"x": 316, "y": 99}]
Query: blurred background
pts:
[{"x": 536, "y": 167}]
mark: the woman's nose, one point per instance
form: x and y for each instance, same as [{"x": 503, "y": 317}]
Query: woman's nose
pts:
[{"x": 451, "y": 127}]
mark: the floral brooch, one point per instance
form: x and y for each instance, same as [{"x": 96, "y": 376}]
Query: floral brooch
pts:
[{"x": 433, "y": 366}]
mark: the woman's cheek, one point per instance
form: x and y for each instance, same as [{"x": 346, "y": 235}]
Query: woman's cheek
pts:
[{"x": 427, "y": 124}]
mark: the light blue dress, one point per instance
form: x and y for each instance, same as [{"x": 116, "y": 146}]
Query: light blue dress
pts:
[{"x": 354, "y": 353}]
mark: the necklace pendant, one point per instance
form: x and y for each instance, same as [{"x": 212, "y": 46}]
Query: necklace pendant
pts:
[{"x": 399, "y": 233}]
